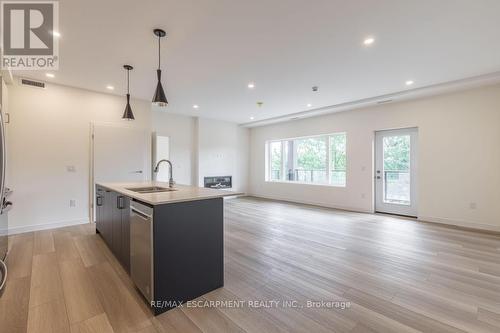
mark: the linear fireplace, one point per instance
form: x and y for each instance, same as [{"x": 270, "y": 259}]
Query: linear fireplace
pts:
[{"x": 219, "y": 182}]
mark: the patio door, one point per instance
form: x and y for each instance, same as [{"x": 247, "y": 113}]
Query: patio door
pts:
[{"x": 396, "y": 162}]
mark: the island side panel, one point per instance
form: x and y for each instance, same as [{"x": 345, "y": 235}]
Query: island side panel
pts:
[{"x": 188, "y": 250}]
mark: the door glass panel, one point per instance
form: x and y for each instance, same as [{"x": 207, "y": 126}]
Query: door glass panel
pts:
[{"x": 396, "y": 152}]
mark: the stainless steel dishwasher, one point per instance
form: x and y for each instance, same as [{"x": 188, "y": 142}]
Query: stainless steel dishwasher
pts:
[{"x": 141, "y": 248}]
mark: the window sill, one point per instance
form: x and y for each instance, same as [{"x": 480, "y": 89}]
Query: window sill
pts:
[{"x": 304, "y": 183}]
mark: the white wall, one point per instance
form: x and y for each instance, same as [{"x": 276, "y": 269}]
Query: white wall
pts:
[
  {"x": 459, "y": 156},
  {"x": 50, "y": 129},
  {"x": 223, "y": 150}
]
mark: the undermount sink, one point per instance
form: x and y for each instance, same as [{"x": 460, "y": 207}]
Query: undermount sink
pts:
[{"x": 151, "y": 189}]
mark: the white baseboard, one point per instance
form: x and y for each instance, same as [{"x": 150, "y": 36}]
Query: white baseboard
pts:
[
  {"x": 313, "y": 203},
  {"x": 459, "y": 223},
  {"x": 38, "y": 227}
]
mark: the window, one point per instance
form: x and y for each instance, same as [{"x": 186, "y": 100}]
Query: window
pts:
[{"x": 316, "y": 160}]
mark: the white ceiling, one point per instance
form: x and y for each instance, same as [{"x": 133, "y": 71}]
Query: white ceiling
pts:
[{"x": 215, "y": 47}]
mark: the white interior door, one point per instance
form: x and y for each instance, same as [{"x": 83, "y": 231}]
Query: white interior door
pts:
[
  {"x": 161, "y": 150},
  {"x": 396, "y": 154},
  {"x": 120, "y": 154}
]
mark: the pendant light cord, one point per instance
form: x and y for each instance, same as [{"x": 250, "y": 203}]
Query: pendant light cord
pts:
[
  {"x": 159, "y": 52},
  {"x": 128, "y": 81}
]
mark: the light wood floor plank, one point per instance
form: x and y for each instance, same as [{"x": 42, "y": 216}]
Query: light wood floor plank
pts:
[
  {"x": 149, "y": 329},
  {"x": 14, "y": 306},
  {"x": 97, "y": 324},
  {"x": 46, "y": 283},
  {"x": 43, "y": 242},
  {"x": 124, "y": 313},
  {"x": 175, "y": 321},
  {"x": 88, "y": 248},
  {"x": 20, "y": 256},
  {"x": 48, "y": 318},
  {"x": 490, "y": 317},
  {"x": 211, "y": 320},
  {"x": 65, "y": 246},
  {"x": 79, "y": 292}
]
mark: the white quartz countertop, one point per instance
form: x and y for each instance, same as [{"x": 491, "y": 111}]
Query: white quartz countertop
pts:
[{"x": 182, "y": 193}]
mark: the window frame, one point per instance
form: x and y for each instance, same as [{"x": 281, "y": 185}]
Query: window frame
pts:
[{"x": 268, "y": 166}]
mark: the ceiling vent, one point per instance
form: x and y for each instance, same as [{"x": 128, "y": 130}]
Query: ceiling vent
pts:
[{"x": 31, "y": 83}]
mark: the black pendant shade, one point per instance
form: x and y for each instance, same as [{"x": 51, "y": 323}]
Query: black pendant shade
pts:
[
  {"x": 128, "y": 114},
  {"x": 159, "y": 97}
]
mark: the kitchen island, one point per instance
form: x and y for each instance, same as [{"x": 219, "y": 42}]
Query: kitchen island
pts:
[{"x": 170, "y": 240}]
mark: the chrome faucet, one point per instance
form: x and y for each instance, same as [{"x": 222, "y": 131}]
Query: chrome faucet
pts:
[{"x": 171, "y": 182}]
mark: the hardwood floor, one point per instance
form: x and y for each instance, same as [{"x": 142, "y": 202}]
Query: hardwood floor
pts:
[{"x": 396, "y": 275}]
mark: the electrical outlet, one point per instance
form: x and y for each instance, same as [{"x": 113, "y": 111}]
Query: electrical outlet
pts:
[
  {"x": 363, "y": 195},
  {"x": 70, "y": 168},
  {"x": 72, "y": 203},
  {"x": 472, "y": 205}
]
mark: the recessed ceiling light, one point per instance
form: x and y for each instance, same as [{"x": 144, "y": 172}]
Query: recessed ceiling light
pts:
[
  {"x": 369, "y": 41},
  {"x": 409, "y": 82},
  {"x": 110, "y": 87},
  {"x": 252, "y": 118},
  {"x": 56, "y": 34},
  {"x": 309, "y": 105},
  {"x": 251, "y": 85},
  {"x": 196, "y": 106},
  {"x": 50, "y": 75}
]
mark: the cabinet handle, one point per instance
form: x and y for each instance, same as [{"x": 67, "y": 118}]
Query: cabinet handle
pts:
[
  {"x": 99, "y": 201},
  {"x": 120, "y": 203}
]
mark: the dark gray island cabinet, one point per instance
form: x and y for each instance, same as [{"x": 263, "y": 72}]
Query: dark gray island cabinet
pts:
[
  {"x": 170, "y": 243},
  {"x": 113, "y": 223}
]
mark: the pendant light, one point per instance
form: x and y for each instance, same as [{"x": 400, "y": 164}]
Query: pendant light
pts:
[
  {"x": 159, "y": 98},
  {"x": 127, "y": 114}
]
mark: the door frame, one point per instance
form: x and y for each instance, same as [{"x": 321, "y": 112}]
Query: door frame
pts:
[{"x": 404, "y": 210}]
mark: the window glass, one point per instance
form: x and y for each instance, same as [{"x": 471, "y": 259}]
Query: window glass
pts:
[
  {"x": 276, "y": 160},
  {"x": 310, "y": 163},
  {"x": 338, "y": 159}
]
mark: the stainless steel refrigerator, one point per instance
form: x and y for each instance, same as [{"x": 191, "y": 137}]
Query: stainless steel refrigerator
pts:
[{"x": 5, "y": 204}]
